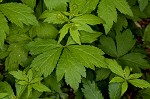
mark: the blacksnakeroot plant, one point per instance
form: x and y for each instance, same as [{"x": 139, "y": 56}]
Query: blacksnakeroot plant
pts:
[{"x": 74, "y": 49}]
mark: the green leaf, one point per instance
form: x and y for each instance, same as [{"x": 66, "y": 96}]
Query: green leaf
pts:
[
  {"x": 3, "y": 29},
  {"x": 30, "y": 75},
  {"x": 89, "y": 56},
  {"x": 18, "y": 14},
  {"x": 145, "y": 91},
  {"x": 75, "y": 6},
  {"x": 75, "y": 35},
  {"x": 117, "y": 79},
  {"x": 135, "y": 76},
  {"x": 46, "y": 62},
  {"x": 18, "y": 30},
  {"x": 30, "y": 3},
  {"x": 139, "y": 83},
  {"x": 29, "y": 89},
  {"x": 5, "y": 88},
  {"x": 88, "y": 19},
  {"x": 114, "y": 90},
  {"x": 19, "y": 75},
  {"x": 126, "y": 72},
  {"x": 146, "y": 10},
  {"x": 4, "y": 52},
  {"x": 106, "y": 9},
  {"x": 82, "y": 6},
  {"x": 110, "y": 10},
  {"x": 84, "y": 27},
  {"x": 70, "y": 41},
  {"x": 63, "y": 31},
  {"x": 52, "y": 83},
  {"x": 124, "y": 87},
  {"x": 60, "y": 5},
  {"x": 87, "y": 37},
  {"x": 135, "y": 60},
  {"x": 142, "y": 4},
  {"x": 20, "y": 90},
  {"x": 102, "y": 74},
  {"x": 121, "y": 23},
  {"x": 14, "y": 38},
  {"x": 115, "y": 67},
  {"x": 125, "y": 42},
  {"x": 40, "y": 87},
  {"x": 146, "y": 36},
  {"x": 42, "y": 45},
  {"x": 69, "y": 66},
  {"x": 78, "y": 94},
  {"x": 54, "y": 17},
  {"x": 18, "y": 54},
  {"x": 3, "y": 95},
  {"x": 45, "y": 31},
  {"x": 108, "y": 46},
  {"x": 123, "y": 7},
  {"x": 23, "y": 83},
  {"x": 88, "y": 6},
  {"x": 36, "y": 80},
  {"x": 91, "y": 90},
  {"x": 137, "y": 14}
]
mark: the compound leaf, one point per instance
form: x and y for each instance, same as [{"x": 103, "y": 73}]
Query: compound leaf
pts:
[
  {"x": 46, "y": 62},
  {"x": 18, "y": 14},
  {"x": 69, "y": 66},
  {"x": 88, "y": 55},
  {"x": 91, "y": 90}
]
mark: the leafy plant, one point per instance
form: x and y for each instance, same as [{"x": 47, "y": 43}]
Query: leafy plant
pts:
[{"x": 74, "y": 49}]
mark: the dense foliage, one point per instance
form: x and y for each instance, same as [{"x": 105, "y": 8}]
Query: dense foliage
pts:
[{"x": 74, "y": 49}]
